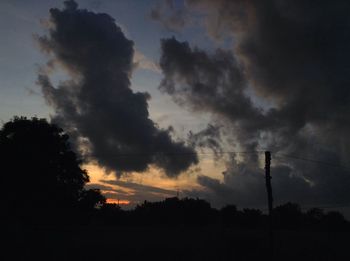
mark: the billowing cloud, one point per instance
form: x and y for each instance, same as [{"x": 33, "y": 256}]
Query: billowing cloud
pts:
[
  {"x": 108, "y": 120},
  {"x": 294, "y": 56}
]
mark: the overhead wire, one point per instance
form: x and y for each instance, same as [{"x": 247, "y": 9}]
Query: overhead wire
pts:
[
  {"x": 185, "y": 153},
  {"x": 331, "y": 164}
]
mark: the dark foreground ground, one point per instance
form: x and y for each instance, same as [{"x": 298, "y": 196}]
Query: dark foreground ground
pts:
[{"x": 175, "y": 243}]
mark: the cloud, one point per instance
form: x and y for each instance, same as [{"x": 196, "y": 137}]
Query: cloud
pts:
[
  {"x": 137, "y": 193},
  {"x": 141, "y": 61},
  {"x": 210, "y": 137},
  {"x": 171, "y": 16},
  {"x": 213, "y": 83},
  {"x": 96, "y": 105},
  {"x": 137, "y": 186},
  {"x": 104, "y": 188},
  {"x": 294, "y": 55},
  {"x": 246, "y": 187}
]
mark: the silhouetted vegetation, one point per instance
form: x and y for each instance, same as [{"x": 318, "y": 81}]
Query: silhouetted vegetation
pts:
[
  {"x": 198, "y": 212},
  {"x": 41, "y": 177}
]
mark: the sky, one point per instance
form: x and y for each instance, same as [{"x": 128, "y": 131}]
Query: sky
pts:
[{"x": 166, "y": 98}]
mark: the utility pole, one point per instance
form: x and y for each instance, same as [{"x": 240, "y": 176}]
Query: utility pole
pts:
[{"x": 269, "y": 198}]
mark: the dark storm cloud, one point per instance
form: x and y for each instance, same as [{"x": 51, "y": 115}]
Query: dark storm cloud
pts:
[
  {"x": 210, "y": 137},
  {"x": 292, "y": 54},
  {"x": 106, "y": 117},
  {"x": 204, "y": 82}
]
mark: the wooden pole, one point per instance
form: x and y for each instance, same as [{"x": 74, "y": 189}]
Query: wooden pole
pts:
[{"x": 269, "y": 198}]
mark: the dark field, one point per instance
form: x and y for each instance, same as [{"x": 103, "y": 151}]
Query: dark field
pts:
[{"x": 170, "y": 243}]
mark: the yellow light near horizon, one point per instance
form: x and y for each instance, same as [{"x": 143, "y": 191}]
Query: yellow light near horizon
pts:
[
  {"x": 118, "y": 202},
  {"x": 96, "y": 173},
  {"x": 154, "y": 177}
]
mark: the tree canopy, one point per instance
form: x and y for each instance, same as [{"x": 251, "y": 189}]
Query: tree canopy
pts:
[{"x": 39, "y": 169}]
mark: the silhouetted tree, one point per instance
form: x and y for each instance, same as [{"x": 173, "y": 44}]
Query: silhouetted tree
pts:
[
  {"x": 334, "y": 220},
  {"x": 40, "y": 174},
  {"x": 314, "y": 218},
  {"x": 229, "y": 215},
  {"x": 288, "y": 216},
  {"x": 111, "y": 214},
  {"x": 173, "y": 210},
  {"x": 251, "y": 218},
  {"x": 91, "y": 198}
]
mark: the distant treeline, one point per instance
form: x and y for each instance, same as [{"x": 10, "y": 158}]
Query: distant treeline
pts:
[
  {"x": 198, "y": 212},
  {"x": 188, "y": 212}
]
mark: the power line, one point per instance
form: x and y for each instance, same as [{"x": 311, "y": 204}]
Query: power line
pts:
[
  {"x": 185, "y": 153},
  {"x": 331, "y": 164}
]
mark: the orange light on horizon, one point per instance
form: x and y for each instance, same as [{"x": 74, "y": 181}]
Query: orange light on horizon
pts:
[{"x": 116, "y": 201}]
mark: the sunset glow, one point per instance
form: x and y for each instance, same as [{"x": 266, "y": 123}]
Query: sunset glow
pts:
[{"x": 117, "y": 201}]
